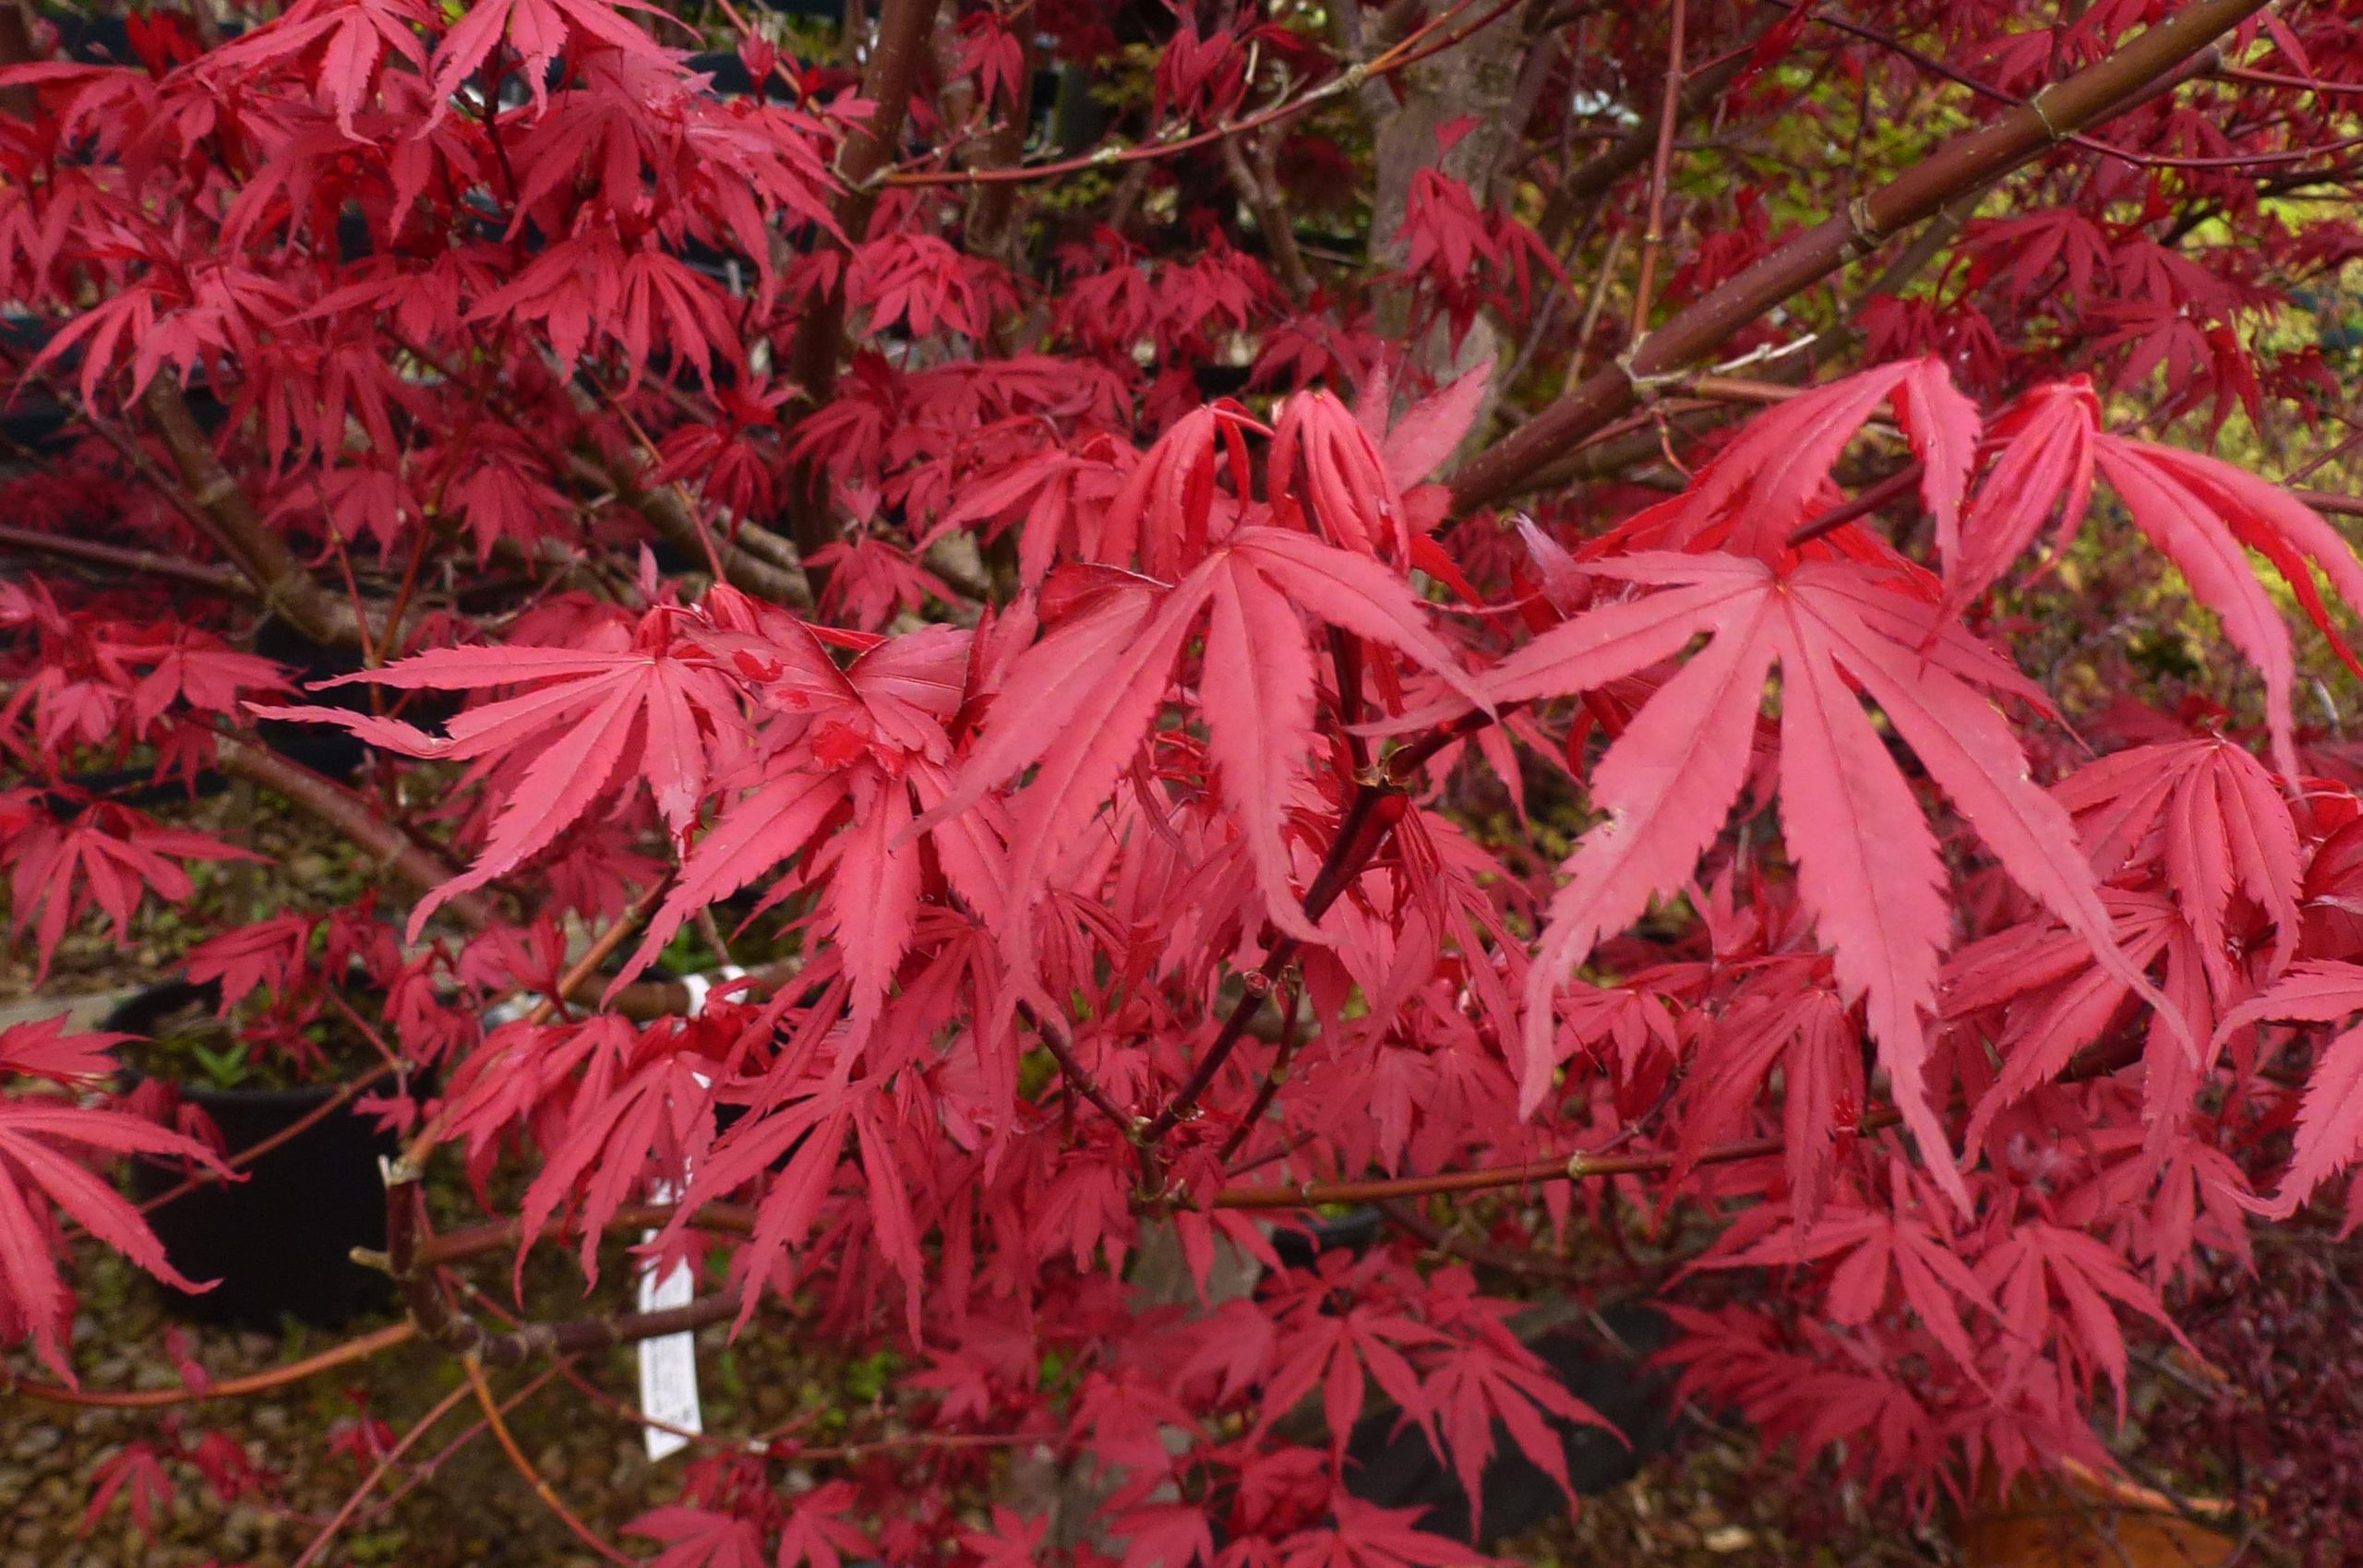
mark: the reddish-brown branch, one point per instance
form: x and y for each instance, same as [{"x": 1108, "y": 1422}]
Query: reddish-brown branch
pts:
[
  {"x": 1634, "y": 149},
  {"x": 2160, "y": 56},
  {"x": 1273, "y": 1076},
  {"x": 356, "y": 1349},
  {"x": 1527, "y": 1265},
  {"x": 2275, "y": 79},
  {"x": 1577, "y": 1166},
  {"x": 1660, "y": 174},
  {"x": 251, "y": 543},
  {"x": 343, "y": 1094},
  {"x": 217, "y": 579},
  {"x": 895, "y": 59},
  {"x": 533, "y": 1475},
  {"x": 1419, "y": 45},
  {"x": 354, "y": 817},
  {"x": 1261, "y": 192},
  {"x": 386, "y": 1462},
  {"x": 435, "y": 1462},
  {"x": 1359, "y": 832},
  {"x": 407, "y": 1259},
  {"x": 2279, "y": 156},
  {"x": 2332, "y": 502},
  {"x": 745, "y": 562},
  {"x": 455, "y": 1245},
  {"x": 1895, "y": 484},
  {"x": 1077, "y": 1076}
]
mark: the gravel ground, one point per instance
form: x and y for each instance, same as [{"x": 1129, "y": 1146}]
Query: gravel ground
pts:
[
  {"x": 1703, "y": 1507},
  {"x": 471, "y": 1509}
]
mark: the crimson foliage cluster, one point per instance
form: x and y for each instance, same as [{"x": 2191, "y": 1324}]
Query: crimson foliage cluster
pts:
[{"x": 1012, "y": 510}]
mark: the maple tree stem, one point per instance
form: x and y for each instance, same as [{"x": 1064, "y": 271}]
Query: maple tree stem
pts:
[
  {"x": 2159, "y": 55},
  {"x": 414, "y": 1269},
  {"x": 1419, "y": 45},
  {"x": 217, "y": 507},
  {"x": 1895, "y": 484},
  {"x": 220, "y": 579},
  {"x": 1577, "y": 1166},
  {"x": 1345, "y": 658},
  {"x": 748, "y": 563},
  {"x": 452, "y": 1246},
  {"x": 526, "y": 1468},
  {"x": 601, "y": 948},
  {"x": 739, "y": 1219},
  {"x": 1260, "y": 191},
  {"x": 894, "y": 57},
  {"x": 1595, "y": 177},
  {"x": 1273, "y": 1076},
  {"x": 257, "y": 549},
  {"x": 1400, "y": 1212},
  {"x": 1360, "y": 833},
  {"x": 359, "y": 1349},
  {"x": 354, "y": 817},
  {"x": 386, "y": 1462},
  {"x": 1078, "y": 1077},
  {"x": 343, "y": 1094},
  {"x": 1660, "y": 174}
]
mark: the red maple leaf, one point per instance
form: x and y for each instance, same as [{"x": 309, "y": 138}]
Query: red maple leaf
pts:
[
  {"x": 1867, "y": 862},
  {"x": 648, "y": 710}
]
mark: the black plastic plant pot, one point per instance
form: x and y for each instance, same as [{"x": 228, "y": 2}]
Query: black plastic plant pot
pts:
[
  {"x": 280, "y": 1242},
  {"x": 1300, "y": 1245}
]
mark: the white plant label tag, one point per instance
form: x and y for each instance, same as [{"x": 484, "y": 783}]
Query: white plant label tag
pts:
[{"x": 668, "y": 1363}]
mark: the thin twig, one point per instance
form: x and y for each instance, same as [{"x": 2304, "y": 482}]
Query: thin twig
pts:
[
  {"x": 2156, "y": 60},
  {"x": 392, "y": 1456},
  {"x": 526, "y": 1467},
  {"x": 356, "y": 1349},
  {"x": 1660, "y": 173}
]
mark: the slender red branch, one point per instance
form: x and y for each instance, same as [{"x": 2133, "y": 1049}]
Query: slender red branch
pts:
[
  {"x": 895, "y": 59},
  {"x": 217, "y": 579},
  {"x": 1660, "y": 173},
  {"x": 343, "y": 1094},
  {"x": 354, "y": 817},
  {"x": 279, "y": 578},
  {"x": 2275, "y": 79},
  {"x": 526, "y": 1467},
  {"x": 2160, "y": 56},
  {"x": 1577, "y": 1166},
  {"x": 392, "y": 1456},
  {"x": 360, "y": 1348},
  {"x": 455, "y": 1245},
  {"x": 1359, "y": 832},
  {"x": 1895, "y": 484},
  {"x": 1419, "y": 45}
]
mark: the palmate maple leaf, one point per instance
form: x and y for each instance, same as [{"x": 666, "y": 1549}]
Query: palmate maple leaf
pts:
[
  {"x": 864, "y": 743},
  {"x": 1896, "y": 1254},
  {"x": 537, "y": 30},
  {"x": 2036, "y": 1270},
  {"x": 347, "y": 41},
  {"x": 1081, "y": 701},
  {"x": 700, "y": 1537},
  {"x": 45, "y": 1145},
  {"x": 109, "y": 857},
  {"x": 1869, "y": 867},
  {"x": 2200, "y": 512},
  {"x": 2217, "y": 825},
  {"x": 642, "y": 710},
  {"x": 2330, "y": 1121},
  {"x": 1807, "y": 1036}
]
